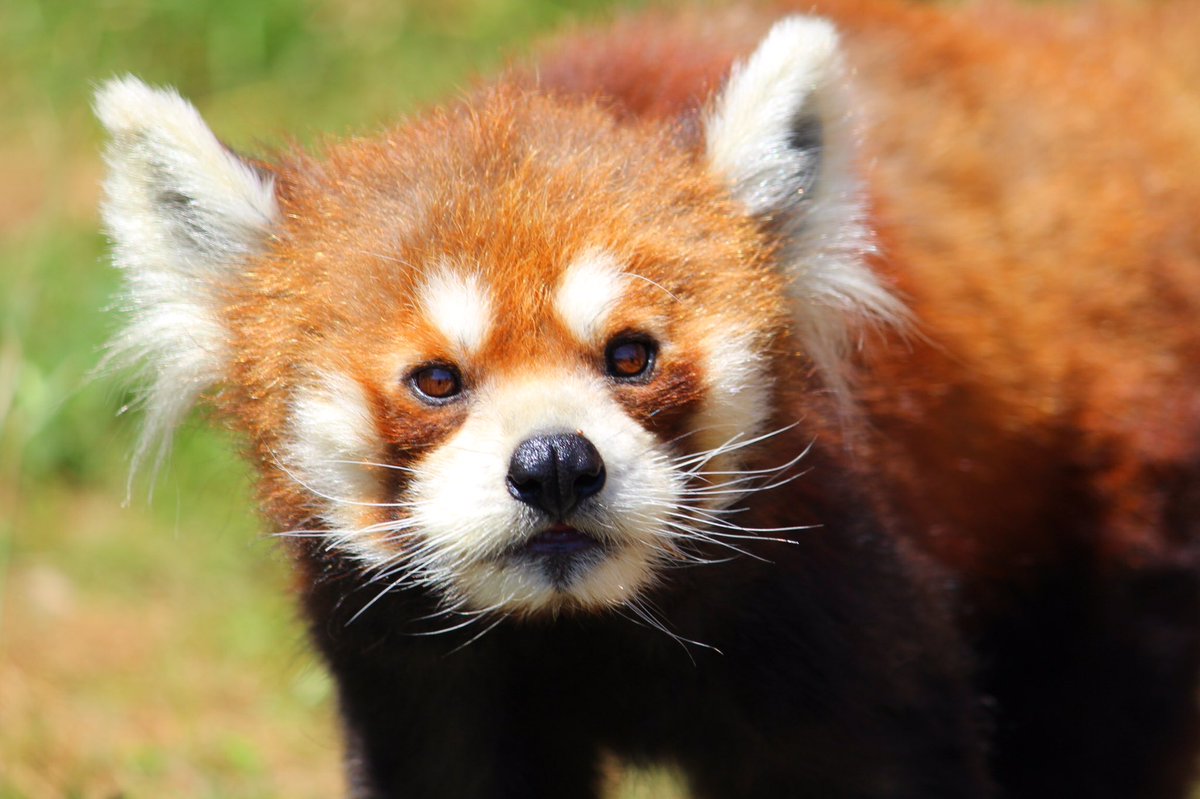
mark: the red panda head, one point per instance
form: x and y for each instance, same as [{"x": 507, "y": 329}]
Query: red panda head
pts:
[{"x": 515, "y": 351}]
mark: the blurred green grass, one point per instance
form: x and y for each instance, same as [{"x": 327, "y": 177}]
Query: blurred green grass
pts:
[{"x": 152, "y": 650}]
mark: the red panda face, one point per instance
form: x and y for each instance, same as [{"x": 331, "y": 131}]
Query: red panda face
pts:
[
  {"x": 514, "y": 352},
  {"x": 543, "y": 352}
]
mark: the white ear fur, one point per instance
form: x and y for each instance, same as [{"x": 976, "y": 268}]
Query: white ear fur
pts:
[
  {"x": 782, "y": 137},
  {"x": 183, "y": 212}
]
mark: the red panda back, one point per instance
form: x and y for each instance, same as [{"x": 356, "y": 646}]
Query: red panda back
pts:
[
  {"x": 1030, "y": 171},
  {"x": 1034, "y": 198}
]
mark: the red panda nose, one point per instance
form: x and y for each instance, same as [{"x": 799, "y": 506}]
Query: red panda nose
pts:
[{"x": 554, "y": 472}]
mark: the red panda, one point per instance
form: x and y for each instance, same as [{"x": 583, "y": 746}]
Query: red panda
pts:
[{"x": 810, "y": 400}]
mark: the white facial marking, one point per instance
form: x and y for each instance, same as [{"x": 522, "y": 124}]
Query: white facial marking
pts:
[
  {"x": 736, "y": 405},
  {"x": 590, "y": 289},
  {"x": 458, "y": 305},
  {"x": 331, "y": 443}
]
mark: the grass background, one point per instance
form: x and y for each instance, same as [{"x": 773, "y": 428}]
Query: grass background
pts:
[{"x": 152, "y": 650}]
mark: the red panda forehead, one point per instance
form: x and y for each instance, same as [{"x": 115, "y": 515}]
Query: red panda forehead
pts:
[
  {"x": 509, "y": 177},
  {"x": 548, "y": 218},
  {"x": 522, "y": 182}
]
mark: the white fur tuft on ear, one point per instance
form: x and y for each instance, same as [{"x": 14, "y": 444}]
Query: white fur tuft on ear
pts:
[
  {"x": 782, "y": 137},
  {"x": 183, "y": 213}
]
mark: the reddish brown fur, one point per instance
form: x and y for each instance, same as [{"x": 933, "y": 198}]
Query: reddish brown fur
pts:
[{"x": 1086, "y": 356}]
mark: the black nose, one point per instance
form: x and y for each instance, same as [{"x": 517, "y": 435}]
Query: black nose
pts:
[{"x": 554, "y": 472}]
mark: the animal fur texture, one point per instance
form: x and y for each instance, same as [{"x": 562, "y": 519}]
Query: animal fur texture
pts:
[{"x": 806, "y": 398}]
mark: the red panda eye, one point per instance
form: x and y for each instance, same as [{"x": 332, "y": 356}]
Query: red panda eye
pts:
[
  {"x": 629, "y": 358},
  {"x": 436, "y": 382}
]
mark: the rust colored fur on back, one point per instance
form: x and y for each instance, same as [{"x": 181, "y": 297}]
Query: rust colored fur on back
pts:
[{"x": 821, "y": 412}]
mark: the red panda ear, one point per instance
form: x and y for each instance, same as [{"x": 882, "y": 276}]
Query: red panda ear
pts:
[
  {"x": 183, "y": 213},
  {"x": 781, "y": 136}
]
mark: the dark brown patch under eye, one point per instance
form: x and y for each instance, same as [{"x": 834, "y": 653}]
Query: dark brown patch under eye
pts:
[
  {"x": 666, "y": 404},
  {"x": 409, "y": 433}
]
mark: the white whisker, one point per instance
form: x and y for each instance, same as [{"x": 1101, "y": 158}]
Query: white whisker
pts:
[
  {"x": 645, "y": 610},
  {"x": 386, "y": 589},
  {"x": 443, "y": 630},
  {"x": 391, "y": 259},
  {"x": 337, "y": 500},
  {"x": 480, "y": 634},
  {"x": 369, "y": 463},
  {"x": 653, "y": 283}
]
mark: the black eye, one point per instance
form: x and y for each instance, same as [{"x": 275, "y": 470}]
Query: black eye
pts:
[
  {"x": 629, "y": 358},
  {"x": 436, "y": 382}
]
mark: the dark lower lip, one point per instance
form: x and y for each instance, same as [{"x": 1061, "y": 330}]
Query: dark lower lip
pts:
[{"x": 561, "y": 540}]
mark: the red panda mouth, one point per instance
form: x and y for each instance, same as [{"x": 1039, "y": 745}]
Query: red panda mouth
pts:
[
  {"x": 563, "y": 554},
  {"x": 560, "y": 540}
]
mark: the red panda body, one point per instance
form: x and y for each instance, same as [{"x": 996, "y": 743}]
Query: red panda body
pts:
[{"x": 818, "y": 412}]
